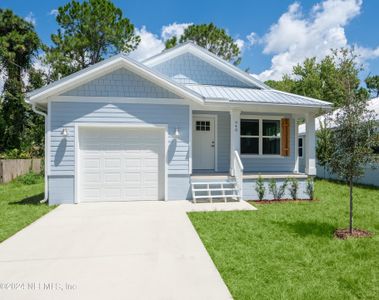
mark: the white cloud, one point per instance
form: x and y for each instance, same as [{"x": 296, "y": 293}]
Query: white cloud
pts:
[
  {"x": 252, "y": 38},
  {"x": 174, "y": 29},
  {"x": 241, "y": 44},
  {"x": 296, "y": 36},
  {"x": 53, "y": 12},
  {"x": 150, "y": 45},
  {"x": 30, "y": 18}
]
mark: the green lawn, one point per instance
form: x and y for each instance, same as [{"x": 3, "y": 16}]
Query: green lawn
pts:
[
  {"x": 287, "y": 250},
  {"x": 20, "y": 205}
]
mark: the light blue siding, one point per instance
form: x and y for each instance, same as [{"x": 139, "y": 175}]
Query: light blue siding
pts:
[
  {"x": 249, "y": 192},
  {"x": 179, "y": 187},
  {"x": 272, "y": 164},
  {"x": 120, "y": 83},
  {"x": 67, "y": 114},
  {"x": 187, "y": 69},
  {"x": 223, "y": 138},
  {"x": 61, "y": 189}
]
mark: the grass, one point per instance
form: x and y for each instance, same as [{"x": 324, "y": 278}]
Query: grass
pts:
[
  {"x": 287, "y": 250},
  {"x": 20, "y": 204}
]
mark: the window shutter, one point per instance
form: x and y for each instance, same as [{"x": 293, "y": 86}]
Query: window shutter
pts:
[{"x": 285, "y": 132}]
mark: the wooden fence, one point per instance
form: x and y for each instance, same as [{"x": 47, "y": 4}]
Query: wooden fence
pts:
[{"x": 12, "y": 168}]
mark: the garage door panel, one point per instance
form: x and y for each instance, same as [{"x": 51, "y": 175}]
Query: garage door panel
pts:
[
  {"x": 119, "y": 164},
  {"x": 112, "y": 162}
]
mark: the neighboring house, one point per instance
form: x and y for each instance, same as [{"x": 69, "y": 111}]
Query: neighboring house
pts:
[
  {"x": 122, "y": 130},
  {"x": 371, "y": 175}
]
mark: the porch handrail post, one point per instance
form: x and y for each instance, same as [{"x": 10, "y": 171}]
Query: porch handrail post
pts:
[
  {"x": 310, "y": 145},
  {"x": 235, "y": 119},
  {"x": 296, "y": 168}
]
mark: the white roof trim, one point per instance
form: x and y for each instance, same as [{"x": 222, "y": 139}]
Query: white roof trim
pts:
[
  {"x": 190, "y": 47},
  {"x": 106, "y": 66}
]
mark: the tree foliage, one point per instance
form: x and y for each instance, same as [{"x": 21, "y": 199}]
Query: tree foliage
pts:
[
  {"x": 323, "y": 79},
  {"x": 353, "y": 137},
  {"x": 88, "y": 32},
  {"x": 212, "y": 38},
  {"x": 372, "y": 83},
  {"x": 18, "y": 43}
]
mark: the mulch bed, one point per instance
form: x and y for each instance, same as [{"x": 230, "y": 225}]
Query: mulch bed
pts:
[
  {"x": 343, "y": 233},
  {"x": 280, "y": 201}
]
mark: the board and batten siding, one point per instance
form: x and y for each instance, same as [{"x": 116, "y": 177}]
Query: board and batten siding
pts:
[{"x": 67, "y": 114}]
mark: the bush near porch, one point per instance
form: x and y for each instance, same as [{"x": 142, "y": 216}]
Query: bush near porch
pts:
[{"x": 287, "y": 250}]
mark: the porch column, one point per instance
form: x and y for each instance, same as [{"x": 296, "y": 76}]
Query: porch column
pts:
[
  {"x": 235, "y": 118},
  {"x": 310, "y": 145},
  {"x": 296, "y": 168}
]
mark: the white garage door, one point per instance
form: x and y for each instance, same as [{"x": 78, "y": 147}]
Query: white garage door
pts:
[{"x": 121, "y": 164}]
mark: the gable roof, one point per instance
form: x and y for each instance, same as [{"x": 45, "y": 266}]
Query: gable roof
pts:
[
  {"x": 372, "y": 105},
  {"x": 211, "y": 58},
  {"x": 108, "y": 65},
  {"x": 259, "y": 93}
]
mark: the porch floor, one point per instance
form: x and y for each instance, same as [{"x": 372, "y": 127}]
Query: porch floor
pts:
[{"x": 208, "y": 174}]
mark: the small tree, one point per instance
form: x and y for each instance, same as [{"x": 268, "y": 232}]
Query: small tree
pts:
[
  {"x": 293, "y": 188},
  {"x": 277, "y": 192},
  {"x": 260, "y": 188},
  {"x": 353, "y": 137},
  {"x": 310, "y": 187}
]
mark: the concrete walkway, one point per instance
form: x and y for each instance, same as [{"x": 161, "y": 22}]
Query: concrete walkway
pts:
[{"x": 134, "y": 250}]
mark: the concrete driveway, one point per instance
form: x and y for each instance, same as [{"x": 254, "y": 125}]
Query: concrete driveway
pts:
[{"x": 135, "y": 250}]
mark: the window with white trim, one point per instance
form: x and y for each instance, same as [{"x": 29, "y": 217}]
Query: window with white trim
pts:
[
  {"x": 300, "y": 147},
  {"x": 260, "y": 137}
]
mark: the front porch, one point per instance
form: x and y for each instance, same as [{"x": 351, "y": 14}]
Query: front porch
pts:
[{"x": 231, "y": 149}]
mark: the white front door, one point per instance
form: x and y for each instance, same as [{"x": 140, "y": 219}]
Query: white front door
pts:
[{"x": 203, "y": 143}]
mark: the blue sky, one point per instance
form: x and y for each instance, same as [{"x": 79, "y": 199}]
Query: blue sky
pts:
[{"x": 274, "y": 35}]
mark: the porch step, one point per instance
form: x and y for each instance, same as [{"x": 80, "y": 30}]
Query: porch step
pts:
[{"x": 226, "y": 190}]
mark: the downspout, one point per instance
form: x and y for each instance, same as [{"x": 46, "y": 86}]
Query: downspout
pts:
[{"x": 46, "y": 144}]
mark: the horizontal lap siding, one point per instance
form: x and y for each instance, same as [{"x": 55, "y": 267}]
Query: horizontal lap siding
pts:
[
  {"x": 273, "y": 164},
  {"x": 67, "y": 114}
]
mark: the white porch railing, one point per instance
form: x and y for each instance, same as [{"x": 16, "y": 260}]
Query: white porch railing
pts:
[{"x": 238, "y": 172}]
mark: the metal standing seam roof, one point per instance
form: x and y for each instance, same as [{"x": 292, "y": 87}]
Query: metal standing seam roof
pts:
[
  {"x": 249, "y": 95},
  {"x": 372, "y": 105}
]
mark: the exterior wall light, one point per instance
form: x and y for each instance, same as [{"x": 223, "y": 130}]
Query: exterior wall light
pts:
[
  {"x": 177, "y": 133},
  {"x": 64, "y": 132}
]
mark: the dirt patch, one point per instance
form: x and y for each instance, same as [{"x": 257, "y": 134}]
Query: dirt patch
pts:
[
  {"x": 344, "y": 233},
  {"x": 280, "y": 201}
]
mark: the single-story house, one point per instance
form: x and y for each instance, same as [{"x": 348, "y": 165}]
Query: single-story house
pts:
[
  {"x": 371, "y": 176},
  {"x": 183, "y": 124}
]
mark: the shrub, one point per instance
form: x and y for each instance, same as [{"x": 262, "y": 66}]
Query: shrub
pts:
[
  {"x": 276, "y": 192},
  {"x": 310, "y": 187},
  {"x": 293, "y": 188},
  {"x": 260, "y": 188},
  {"x": 29, "y": 178}
]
